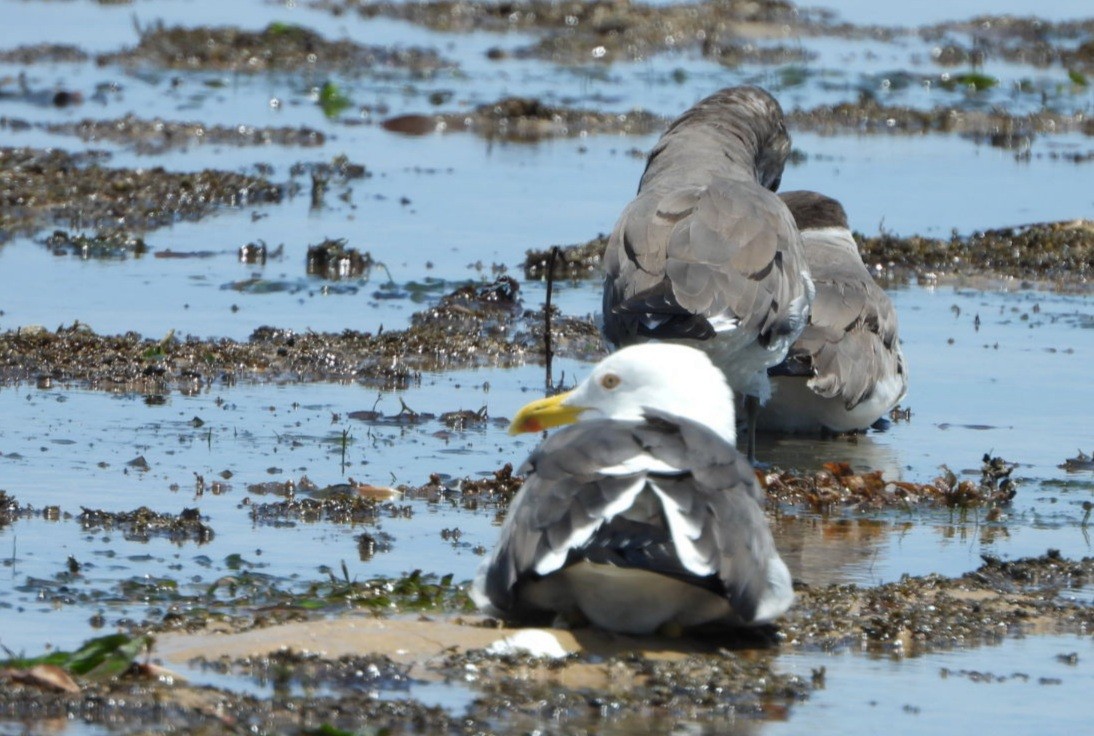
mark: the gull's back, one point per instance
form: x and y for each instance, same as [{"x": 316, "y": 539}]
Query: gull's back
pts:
[{"x": 706, "y": 253}]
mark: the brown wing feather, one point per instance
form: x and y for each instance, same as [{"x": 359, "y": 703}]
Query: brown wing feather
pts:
[
  {"x": 705, "y": 227},
  {"x": 731, "y": 252},
  {"x": 851, "y": 341}
]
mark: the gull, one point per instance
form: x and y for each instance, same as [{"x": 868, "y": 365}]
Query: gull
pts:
[
  {"x": 706, "y": 253},
  {"x": 642, "y": 515},
  {"x": 846, "y": 370}
]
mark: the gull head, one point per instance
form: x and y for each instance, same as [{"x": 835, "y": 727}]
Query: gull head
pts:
[{"x": 671, "y": 378}]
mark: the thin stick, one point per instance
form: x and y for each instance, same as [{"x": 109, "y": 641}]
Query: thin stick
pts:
[{"x": 548, "y": 354}]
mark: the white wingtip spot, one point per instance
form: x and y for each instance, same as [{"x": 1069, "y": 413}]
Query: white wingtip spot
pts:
[
  {"x": 779, "y": 594},
  {"x": 535, "y": 642}
]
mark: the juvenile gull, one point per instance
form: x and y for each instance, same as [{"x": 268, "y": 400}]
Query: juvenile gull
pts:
[
  {"x": 706, "y": 253},
  {"x": 846, "y": 370},
  {"x": 642, "y": 514}
]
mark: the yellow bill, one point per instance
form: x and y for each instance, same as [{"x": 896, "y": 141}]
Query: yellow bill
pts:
[{"x": 544, "y": 413}]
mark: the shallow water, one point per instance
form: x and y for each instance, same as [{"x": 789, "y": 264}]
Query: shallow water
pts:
[
  {"x": 71, "y": 448},
  {"x": 1017, "y": 386},
  {"x": 1019, "y": 687}
]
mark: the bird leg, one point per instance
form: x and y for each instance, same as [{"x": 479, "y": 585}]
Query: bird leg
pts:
[{"x": 752, "y": 413}]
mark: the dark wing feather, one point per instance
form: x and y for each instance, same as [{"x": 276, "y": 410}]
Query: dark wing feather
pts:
[
  {"x": 721, "y": 497},
  {"x": 565, "y": 489}
]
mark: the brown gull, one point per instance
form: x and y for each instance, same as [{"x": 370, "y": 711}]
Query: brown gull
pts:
[
  {"x": 706, "y": 254},
  {"x": 846, "y": 370}
]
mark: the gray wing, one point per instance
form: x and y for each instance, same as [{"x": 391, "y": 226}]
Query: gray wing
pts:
[
  {"x": 725, "y": 254},
  {"x": 561, "y": 511},
  {"x": 565, "y": 492},
  {"x": 851, "y": 343},
  {"x": 721, "y": 504}
]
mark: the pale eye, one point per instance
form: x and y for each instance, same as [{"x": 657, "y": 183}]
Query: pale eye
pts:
[{"x": 610, "y": 381}]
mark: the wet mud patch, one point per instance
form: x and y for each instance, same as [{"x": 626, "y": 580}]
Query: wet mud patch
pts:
[
  {"x": 1052, "y": 254},
  {"x": 473, "y": 326},
  {"x": 996, "y": 127},
  {"x": 577, "y": 33},
  {"x": 308, "y": 672},
  {"x": 156, "y": 136},
  {"x": 581, "y": 261},
  {"x": 838, "y": 488},
  {"x": 339, "y": 505},
  {"x": 610, "y": 683},
  {"x": 921, "y": 614},
  {"x": 45, "y": 53},
  {"x": 139, "y": 704},
  {"x": 327, "y": 666},
  {"x": 488, "y": 309},
  {"x": 278, "y": 47},
  {"x": 40, "y": 188},
  {"x": 1019, "y": 40},
  {"x": 142, "y": 524},
  {"x": 526, "y": 119},
  {"x": 529, "y": 119},
  {"x": 729, "y": 32},
  {"x": 1056, "y": 254}
]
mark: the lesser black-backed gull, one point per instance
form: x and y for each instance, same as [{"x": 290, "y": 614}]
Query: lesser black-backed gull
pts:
[{"x": 641, "y": 515}]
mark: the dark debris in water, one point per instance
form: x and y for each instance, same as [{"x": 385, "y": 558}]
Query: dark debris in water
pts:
[
  {"x": 526, "y": 119},
  {"x": 837, "y": 488},
  {"x": 1058, "y": 253},
  {"x": 142, "y": 524},
  {"x": 11, "y": 510},
  {"x": 279, "y": 46},
  {"x": 156, "y": 136},
  {"x": 1081, "y": 461},
  {"x": 580, "y": 261},
  {"x": 470, "y": 327},
  {"x": 495, "y": 490},
  {"x": 333, "y": 259},
  {"x": 40, "y": 188},
  {"x": 115, "y": 243}
]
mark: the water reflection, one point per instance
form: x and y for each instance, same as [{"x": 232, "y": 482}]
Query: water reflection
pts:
[{"x": 866, "y": 452}]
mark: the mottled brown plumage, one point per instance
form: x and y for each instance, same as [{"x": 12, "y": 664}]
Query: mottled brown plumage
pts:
[
  {"x": 706, "y": 253},
  {"x": 849, "y": 354}
]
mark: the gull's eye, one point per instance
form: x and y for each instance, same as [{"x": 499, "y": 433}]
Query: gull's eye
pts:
[{"x": 610, "y": 381}]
